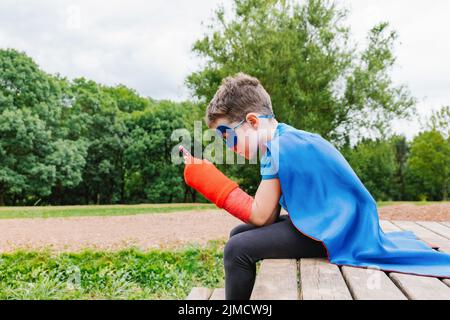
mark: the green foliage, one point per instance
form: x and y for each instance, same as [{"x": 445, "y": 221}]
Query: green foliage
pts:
[
  {"x": 126, "y": 274},
  {"x": 429, "y": 165},
  {"x": 440, "y": 121},
  {"x": 24, "y": 147},
  {"x": 99, "y": 121},
  {"x": 24, "y": 85},
  {"x": 73, "y": 142},
  {"x": 401, "y": 151},
  {"x": 395, "y": 169},
  {"x": 32, "y": 107},
  {"x": 127, "y": 99},
  {"x": 148, "y": 155},
  {"x": 374, "y": 163},
  {"x": 95, "y": 210}
]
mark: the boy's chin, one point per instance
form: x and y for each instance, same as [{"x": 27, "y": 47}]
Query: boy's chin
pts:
[
  {"x": 248, "y": 155},
  {"x": 244, "y": 155},
  {"x": 251, "y": 156}
]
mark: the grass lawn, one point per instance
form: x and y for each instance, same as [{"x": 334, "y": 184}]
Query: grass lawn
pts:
[
  {"x": 97, "y": 210},
  {"x": 121, "y": 210},
  {"x": 125, "y": 274},
  {"x": 417, "y": 203}
]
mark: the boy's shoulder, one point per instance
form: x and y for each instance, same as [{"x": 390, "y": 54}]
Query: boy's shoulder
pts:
[
  {"x": 292, "y": 144},
  {"x": 303, "y": 132},
  {"x": 286, "y": 132}
]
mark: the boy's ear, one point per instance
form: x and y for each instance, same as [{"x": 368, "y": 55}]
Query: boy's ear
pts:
[{"x": 252, "y": 118}]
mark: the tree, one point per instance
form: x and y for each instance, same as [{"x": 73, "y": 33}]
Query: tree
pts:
[
  {"x": 374, "y": 163},
  {"x": 401, "y": 150},
  {"x": 440, "y": 121},
  {"x": 429, "y": 165},
  {"x": 68, "y": 159},
  {"x": 24, "y": 166},
  {"x": 151, "y": 176},
  {"x": 96, "y": 119},
  {"x": 302, "y": 55},
  {"x": 32, "y": 107},
  {"x": 127, "y": 100}
]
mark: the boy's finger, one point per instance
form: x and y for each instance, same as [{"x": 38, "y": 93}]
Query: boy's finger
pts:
[{"x": 189, "y": 159}]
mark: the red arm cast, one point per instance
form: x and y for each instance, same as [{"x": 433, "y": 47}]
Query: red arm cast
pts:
[{"x": 204, "y": 177}]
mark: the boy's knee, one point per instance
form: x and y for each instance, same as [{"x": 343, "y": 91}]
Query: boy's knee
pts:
[
  {"x": 235, "y": 249},
  {"x": 238, "y": 229}
]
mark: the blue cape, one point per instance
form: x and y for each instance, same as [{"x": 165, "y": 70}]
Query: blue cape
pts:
[{"x": 326, "y": 201}]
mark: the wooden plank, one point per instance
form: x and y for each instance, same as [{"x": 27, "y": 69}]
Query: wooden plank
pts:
[
  {"x": 436, "y": 227},
  {"x": 426, "y": 235},
  {"x": 199, "y": 293},
  {"x": 276, "y": 280},
  {"x": 388, "y": 226},
  {"x": 370, "y": 284},
  {"x": 218, "y": 294},
  {"x": 321, "y": 280},
  {"x": 429, "y": 235},
  {"x": 420, "y": 287}
]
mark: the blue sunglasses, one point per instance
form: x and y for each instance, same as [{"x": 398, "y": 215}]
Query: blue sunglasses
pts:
[{"x": 228, "y": 134}]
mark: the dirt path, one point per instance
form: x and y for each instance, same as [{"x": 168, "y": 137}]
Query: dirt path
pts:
[
  {"x": 146, "y": 231},
  {"x": 412, "y": 212}
]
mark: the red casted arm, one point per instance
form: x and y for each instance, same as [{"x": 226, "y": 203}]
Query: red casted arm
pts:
[
  {"x": 239, "y": 204},
  {"x": 204, "y": 177}
]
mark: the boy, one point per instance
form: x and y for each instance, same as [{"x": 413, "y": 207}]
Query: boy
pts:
[{"x": 330, "y": 212}]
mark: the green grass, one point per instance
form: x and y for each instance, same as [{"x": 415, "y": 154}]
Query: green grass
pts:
[
  {"x": 125, "y": 274},
  {"x": 417, "y": 203},
  {"x": 121, "y": 210},
  {"x": 96, "y": 210}
]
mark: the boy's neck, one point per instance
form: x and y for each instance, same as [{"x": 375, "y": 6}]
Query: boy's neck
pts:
[
  {"x": 273, "y": 123},
  {"x": 267, "y": 129}
]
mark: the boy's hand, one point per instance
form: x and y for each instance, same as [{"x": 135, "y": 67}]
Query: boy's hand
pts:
[{"x": 203, "y": 176}]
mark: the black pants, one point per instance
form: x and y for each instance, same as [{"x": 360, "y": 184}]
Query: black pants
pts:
[{"x": 249, "y": 244}]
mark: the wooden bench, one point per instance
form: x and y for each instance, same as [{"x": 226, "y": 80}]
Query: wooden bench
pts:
[{"x": 317, "y": 279}]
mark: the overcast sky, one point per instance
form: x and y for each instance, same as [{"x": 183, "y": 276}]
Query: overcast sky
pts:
[{"x": 146, "y": 44}]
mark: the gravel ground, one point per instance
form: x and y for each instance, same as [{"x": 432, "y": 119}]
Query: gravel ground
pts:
[
  {"x": 413, "y": 212},
  {"x": 159, "y": 231}
]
